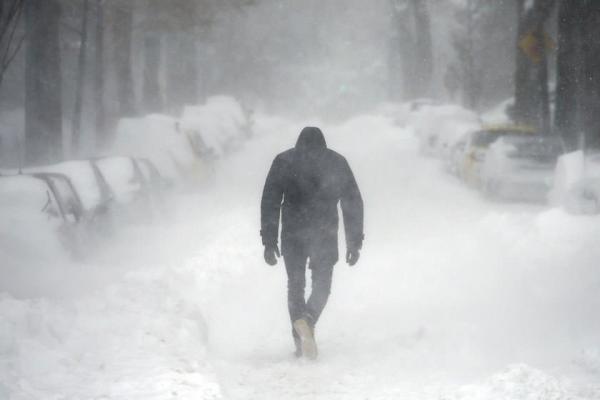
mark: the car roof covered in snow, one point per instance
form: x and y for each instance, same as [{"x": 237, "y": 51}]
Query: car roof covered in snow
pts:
[
  {"x": 23, "y": 192},
  {"x": 120, "y": 174}
]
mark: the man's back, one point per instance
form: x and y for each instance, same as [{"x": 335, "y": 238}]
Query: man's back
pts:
[
  {"x": 305, "y": 185},
  {"x": 310, "y": 180}
]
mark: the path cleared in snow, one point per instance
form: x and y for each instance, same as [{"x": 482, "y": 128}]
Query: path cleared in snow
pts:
[
  {"x": 454, "y": 297},
  {"x": 450, "y": 290}
]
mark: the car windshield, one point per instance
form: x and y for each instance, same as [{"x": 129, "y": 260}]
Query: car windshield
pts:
[
  {"x": 148, "y": 170},
  {"x": 68, "y": 198},
  {"x": 534, "y": 148},
  {"x": 83, "y": 178},
  {"x": 485, "y": 138}
]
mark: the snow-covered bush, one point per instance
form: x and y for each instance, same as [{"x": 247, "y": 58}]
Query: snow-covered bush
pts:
[{"x": 577, "y": 183}]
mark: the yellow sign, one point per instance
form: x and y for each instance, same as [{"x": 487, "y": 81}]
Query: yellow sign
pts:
[{"x": 531, "y": 45}]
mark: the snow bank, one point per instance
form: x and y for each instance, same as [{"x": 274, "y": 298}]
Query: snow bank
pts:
[
  {"x": 569, "y": 170},
  {"x": 219, "y": 125},
  {"x": 399, "y": 113},
  {"x": 27, "y": 234},
  {"x": 499, "y": 115},
  {"x": 402, "y": 114},
  {"x": 577, "y": 183},
  {"x": 517, "y": 382},
  {"x": 143, "y": 338},
  {"x": 438, "y": 127}
]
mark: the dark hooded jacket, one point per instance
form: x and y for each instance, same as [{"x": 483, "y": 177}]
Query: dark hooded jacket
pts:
[{"x": 304, "y": 186}]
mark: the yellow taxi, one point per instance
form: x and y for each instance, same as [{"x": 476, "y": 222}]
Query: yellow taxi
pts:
[{"x": 478, "y": 142}]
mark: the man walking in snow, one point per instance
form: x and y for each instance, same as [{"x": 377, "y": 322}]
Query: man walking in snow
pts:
[{"x": 304, "y": 186}]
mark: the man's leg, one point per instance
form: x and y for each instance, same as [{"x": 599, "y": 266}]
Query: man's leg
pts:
[
  {"x": 296, "y": 272},
  {"x": 322, "y": 275}
]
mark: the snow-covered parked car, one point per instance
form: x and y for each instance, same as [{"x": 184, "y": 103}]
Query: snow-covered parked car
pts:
[
  {"x": 159, "y": 139},
  {"x": 216, "y": 127},
  {"x": 151, "y": 175},
  {"x": 68, "y": 199},
  {"x": 577, "y": 183},
  {"x": 154, "y": 183},
  {"x": 518, "y": 167},
  {"x": 128, "y": 186},
  {"x": 502, "y": 113},
  {"x": 477, "y": 145},
  {"x": 454, "y": 155},
  {"x": 91, "y": 186},
  {"x": 39, "y": 218},
  {"x": 439, "y": 127}
]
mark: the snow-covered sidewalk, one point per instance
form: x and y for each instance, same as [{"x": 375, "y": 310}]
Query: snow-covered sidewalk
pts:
[{"x": 453, "y": 298}]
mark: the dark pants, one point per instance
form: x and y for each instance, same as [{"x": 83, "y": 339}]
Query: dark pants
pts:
[{"x": 321, "y": 274}]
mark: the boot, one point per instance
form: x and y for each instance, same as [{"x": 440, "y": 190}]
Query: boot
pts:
[
  {"x": 307, "y": 338},
  {"x": 298, "y": 344}
]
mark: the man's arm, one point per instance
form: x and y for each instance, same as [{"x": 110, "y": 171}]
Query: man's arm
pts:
[
  {"x": 352, "y": 210},
  {"x": 270, "y": 206}
]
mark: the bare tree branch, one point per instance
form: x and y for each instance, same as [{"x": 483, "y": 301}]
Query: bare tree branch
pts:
[
  {"x": 9, "y": 23},
  {"x": 14, "y": 12},
  {"x": 6, "y": 51},
  {"x": 16, "y": 50}
]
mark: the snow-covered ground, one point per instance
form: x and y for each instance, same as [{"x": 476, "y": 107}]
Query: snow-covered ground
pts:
[{"x": 453, "y": 298}]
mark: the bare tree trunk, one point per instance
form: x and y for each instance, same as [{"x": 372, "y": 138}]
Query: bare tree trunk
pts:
[
  {"x": 413, "y": 41},
  {"x": 394, "y": 79},
  {"x": 569, "y": 73},
  {"x": 189, "y": 94},
  {"x": 10, "y": 42},
  {"x": 590, "y": 105},
  {"x": 151, "y": 89},
  {"x": 81, "y": 68},
  {"x": 43, "y": 104},
  {"x": 404, "y": 47},
  {"x": 100, "y": 110},
  {"x": 523, "y": 108},
  {"x": 471, "y": 74},
  {"x": 542, "y": 86},
  {"x": 123, "y": 25},
  {"x": 423, "y": 57},
  {"x": 406, "y": 44},
  {"x": 182, "y": 77},
  {"x": 578, "y": 75}
]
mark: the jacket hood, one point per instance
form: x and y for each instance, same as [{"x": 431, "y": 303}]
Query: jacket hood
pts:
[{"x": 311, "y": 138}]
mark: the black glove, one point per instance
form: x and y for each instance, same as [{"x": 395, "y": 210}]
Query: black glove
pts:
[
  {"x": 271, "y": 254},
  {"x": 352, "y": 256}
]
